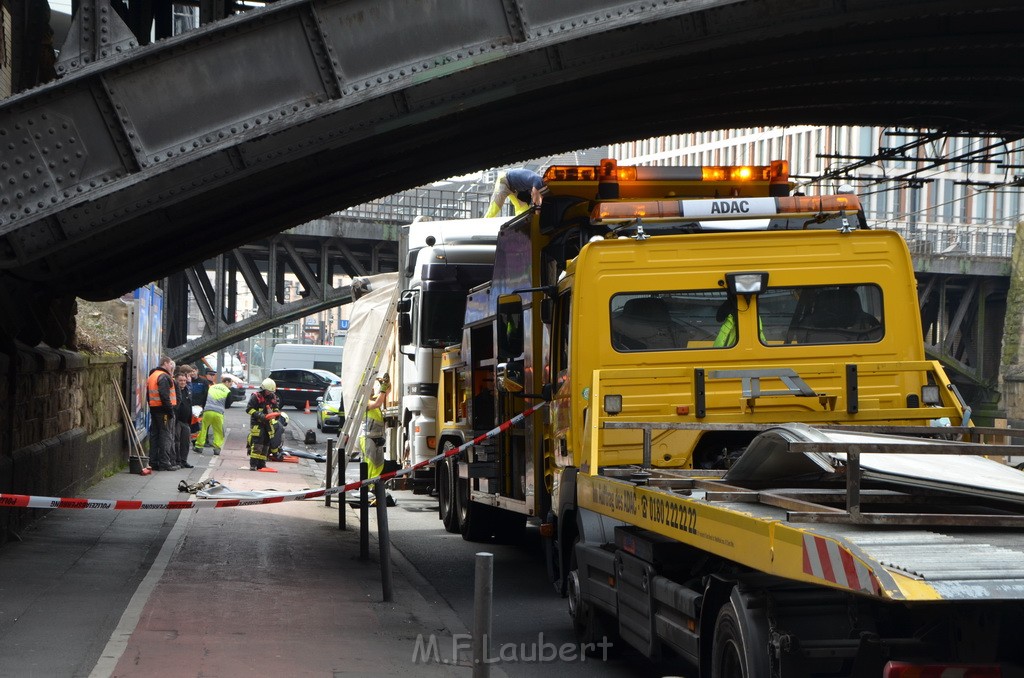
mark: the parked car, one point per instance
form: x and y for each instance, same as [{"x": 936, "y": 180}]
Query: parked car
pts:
[
  {"x": 298, "y": 386},
  {"x": 330, "y": 410}
]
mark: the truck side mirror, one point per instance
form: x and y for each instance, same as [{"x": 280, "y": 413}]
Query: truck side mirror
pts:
[
  {"x": 404, "y": 329},
  {"x": 405, "y": 309},
  {"x": 510, "y": 327},
  {"x": 547, "y": 310}
]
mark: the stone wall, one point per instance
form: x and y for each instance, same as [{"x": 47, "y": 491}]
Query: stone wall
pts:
[
  {"x": 60, "y": 425},
  {"x": 1012, "y": 364},
  {"x": 1013, "y": 400}
]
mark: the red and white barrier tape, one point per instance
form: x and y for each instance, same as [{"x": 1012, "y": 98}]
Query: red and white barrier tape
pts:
[{"x": 29, "y": 501}]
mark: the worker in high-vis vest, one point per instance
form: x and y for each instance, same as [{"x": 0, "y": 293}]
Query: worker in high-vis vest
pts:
[
  {"x": 727, "y": 333},
  {"x": 162, "y": 397},
  {"x": 213, "y": 414},
  {"x": 521, "y": 187},
  {"x": 263, "y": 409},
  {"x": 371, "y": 437}
]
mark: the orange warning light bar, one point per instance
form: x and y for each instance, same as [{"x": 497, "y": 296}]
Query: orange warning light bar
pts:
[
  {"x": 725, "y": 208},
  {"x": 609, "y": 170}
]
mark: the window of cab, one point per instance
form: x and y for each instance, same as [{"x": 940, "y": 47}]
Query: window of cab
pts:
[
  {"x": 822, "y": 314},
  {"x": 676, "y": 320}
]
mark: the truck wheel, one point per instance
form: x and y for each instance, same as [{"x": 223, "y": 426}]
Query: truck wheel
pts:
[
  {"x": 730, "y": 651},
  {"x": 588, "y": 624},
  {"x": 476, "y": 520},
  {"x": 461, "y": 493},
  {"x": 446, "y": 509}
]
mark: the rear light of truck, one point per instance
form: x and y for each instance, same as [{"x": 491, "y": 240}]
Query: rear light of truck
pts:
[{"x": 908, "y": 670}]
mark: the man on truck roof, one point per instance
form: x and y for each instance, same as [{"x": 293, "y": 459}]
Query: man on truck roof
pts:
[{"x": 521, "y": 186}]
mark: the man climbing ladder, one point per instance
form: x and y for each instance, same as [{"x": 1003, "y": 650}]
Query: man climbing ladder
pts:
[{"x": 371, "y": 438}]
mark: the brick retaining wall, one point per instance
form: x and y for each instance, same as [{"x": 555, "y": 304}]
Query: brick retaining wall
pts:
[{"x": 60, "y": 425}]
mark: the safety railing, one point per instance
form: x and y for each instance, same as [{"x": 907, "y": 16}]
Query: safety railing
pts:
[
  {"x": 958, "y": 239},
  {"x": 434, "y": 203}
]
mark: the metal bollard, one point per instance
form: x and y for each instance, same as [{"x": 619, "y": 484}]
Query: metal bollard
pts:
[
  {"x": 383, "y": 540},
  {"x": 330, "y": 473},
  {"x": 342, "y": 504},
  {"x": 483, "y": 594}
]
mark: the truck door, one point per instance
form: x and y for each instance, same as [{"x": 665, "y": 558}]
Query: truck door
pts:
[{"x": 512, "y": 382}]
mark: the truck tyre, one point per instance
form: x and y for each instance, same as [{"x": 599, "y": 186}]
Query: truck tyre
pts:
[
  {"x": 590, "y": 626},
  {"x": 446, "y": 509},
  {"x": 461, "y": 492},
  {"x": 476, "y": 519},
  {"x": 734, "y": 652}
]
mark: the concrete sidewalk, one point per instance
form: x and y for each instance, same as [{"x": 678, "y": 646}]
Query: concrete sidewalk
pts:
[{"x": 270, "y": 590}]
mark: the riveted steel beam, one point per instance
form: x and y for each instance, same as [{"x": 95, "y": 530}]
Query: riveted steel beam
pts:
[{"x": 265, "y": 120}]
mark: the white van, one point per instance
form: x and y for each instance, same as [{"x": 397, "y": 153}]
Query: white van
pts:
[{"x": 288, "y": 356}]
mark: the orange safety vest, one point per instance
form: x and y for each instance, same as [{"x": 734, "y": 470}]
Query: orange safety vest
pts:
[{"x": 153, "y": 389}]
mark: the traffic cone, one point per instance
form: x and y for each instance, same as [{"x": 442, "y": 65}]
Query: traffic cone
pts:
[{"x": 307, "y": 408}]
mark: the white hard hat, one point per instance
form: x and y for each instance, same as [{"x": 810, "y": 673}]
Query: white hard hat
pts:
[{"x": 268, "y": 385}]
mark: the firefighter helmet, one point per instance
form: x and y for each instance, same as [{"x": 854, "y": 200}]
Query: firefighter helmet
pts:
[{"x": 268, "y": 385}]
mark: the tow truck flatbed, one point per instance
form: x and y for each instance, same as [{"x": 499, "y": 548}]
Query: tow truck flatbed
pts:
[{"x": 931, "y": 544}]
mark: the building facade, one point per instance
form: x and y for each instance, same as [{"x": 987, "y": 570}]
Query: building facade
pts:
[{"x": 942, "y": 191}]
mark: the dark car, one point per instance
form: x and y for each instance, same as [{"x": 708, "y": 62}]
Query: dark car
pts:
[{"x": 298, "y": 386}]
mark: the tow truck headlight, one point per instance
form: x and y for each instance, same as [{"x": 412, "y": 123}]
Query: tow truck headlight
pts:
[
  {"x": 930, "y": 395},
  {"x": 746, "y": 283},
  {"x": 613, "y": 404}
]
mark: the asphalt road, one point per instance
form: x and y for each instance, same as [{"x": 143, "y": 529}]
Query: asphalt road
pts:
[
  {"x": 530, "y": 620},
  {"x": 528, "y": 613}
]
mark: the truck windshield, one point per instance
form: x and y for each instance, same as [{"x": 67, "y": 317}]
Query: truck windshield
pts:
[
  {"x": 675, "y": 320},
  {"x": 441, "y": 317}
]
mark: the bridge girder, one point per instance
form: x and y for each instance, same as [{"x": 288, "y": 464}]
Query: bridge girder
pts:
[
  {"x": 317, "y": 254},
  {"x": 266, "y": 120},
  {"x": 963, "y": 310}
]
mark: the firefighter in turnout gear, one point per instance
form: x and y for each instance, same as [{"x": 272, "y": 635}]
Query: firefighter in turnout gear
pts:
[{"x": 263, "y": 409}]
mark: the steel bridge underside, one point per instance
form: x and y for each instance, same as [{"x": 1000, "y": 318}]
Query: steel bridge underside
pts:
[
  {"x": 141, "y": 161},
  {"x": 963, "y": 303},
  {"x": 316, "y": 254}
]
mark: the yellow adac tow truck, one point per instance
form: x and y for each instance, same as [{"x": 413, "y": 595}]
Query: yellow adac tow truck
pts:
[{"x": 745, "y": 458}]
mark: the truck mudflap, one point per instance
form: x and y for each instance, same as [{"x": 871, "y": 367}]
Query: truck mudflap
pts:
[{"x": 906, "y": 538}]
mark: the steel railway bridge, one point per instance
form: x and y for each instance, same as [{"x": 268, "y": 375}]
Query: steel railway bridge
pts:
[{"x": 143, "y": 160}]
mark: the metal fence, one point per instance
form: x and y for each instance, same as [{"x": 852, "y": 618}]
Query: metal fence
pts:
[
  {"x": 428, "y": 202},
  {"x": 957, "y": 239}
]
